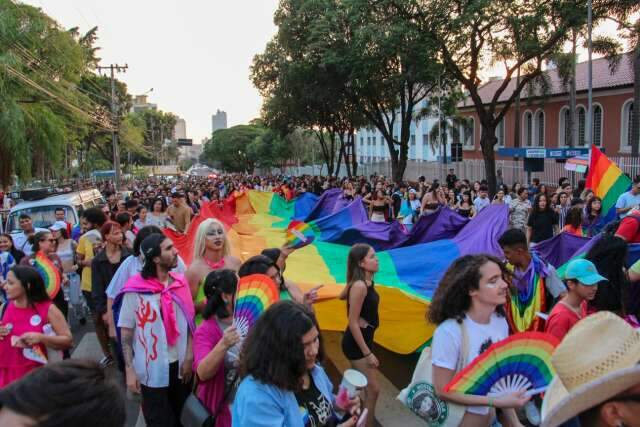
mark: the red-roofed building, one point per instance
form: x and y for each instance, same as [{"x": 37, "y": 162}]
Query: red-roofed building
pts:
[{"x": 544, "y": 120}]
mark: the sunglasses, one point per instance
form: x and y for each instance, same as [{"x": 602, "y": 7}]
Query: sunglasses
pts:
[{"x": 48, "y": 240}]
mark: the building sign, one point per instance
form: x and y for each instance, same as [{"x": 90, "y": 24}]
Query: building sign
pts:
[{"x": 543, "y": 153}]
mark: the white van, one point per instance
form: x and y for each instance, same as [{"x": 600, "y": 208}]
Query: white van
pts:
[{"x": 42, "y": 212}]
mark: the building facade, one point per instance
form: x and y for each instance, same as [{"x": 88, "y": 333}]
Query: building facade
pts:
[
  {"x": 371, "y": 146},
  {"x": 140, "y": 103},
  {"x": 544, "y": 119},
  {"x": 180, "y": 129},
  {"x": 218, "y": 121}
]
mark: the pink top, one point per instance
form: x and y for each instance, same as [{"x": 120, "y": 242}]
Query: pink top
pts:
[
  {"x": 211, "y": 392},
  {"x": 13, "y": 363}
]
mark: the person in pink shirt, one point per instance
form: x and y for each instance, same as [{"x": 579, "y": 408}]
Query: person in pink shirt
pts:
[
  {"x": 215, "y": 347},
  {"x": 29, "y": 323},
  {"x": 582, "y": 280}
]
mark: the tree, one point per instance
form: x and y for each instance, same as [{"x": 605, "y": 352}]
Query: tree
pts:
[
  {"x": 346, "y": 63},
  {"x": 40, "y": 106},
  {"x": 519, "y": 35},
  {"x": 230, "y": 148}
]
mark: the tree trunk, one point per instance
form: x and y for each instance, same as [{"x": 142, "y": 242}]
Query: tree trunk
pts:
[
  {"x": 573, "y": 131},
  {"x": 635, "y": 129},
  {"x": 351, "y": 142},
  {"x": 488, "y": 141},
  {"x": 516, "y": 131}
]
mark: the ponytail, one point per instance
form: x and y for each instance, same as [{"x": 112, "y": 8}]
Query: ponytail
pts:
[{"x": 216, "y": 283}]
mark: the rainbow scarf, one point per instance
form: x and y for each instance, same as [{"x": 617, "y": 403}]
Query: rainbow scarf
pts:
[
  {"x": 607, "y": 181},
  {"x": 49, "y": 273},
  {"x": 528, "y": 298}
]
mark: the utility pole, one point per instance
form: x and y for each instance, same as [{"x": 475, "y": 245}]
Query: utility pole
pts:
[{"x": 114, "y": 114}]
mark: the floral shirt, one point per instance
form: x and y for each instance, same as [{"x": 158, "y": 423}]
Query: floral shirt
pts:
[{"x": 519, "y": 212}]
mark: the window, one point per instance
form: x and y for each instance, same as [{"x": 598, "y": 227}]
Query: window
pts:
[
  {"x": 564, "y": 128},
  {"x": 382, "y": 144},
  {"x": 500, "y": 133},
  {"x": 467, "y": 132},
  {"x": 539, "y": 129},
  {"x": 362, "y": 140},
  {"x": 412, "y": 147},
  {"x": 528, "y": 129},
  {"x": 627, "y": 125},
  {"x": 425, "y": 146},
  {"x": 582, "y": 125},
  {"x": 597, "y": 125}
]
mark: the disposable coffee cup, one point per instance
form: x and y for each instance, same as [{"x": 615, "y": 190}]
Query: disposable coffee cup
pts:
[{"x": 352, "y": 381}]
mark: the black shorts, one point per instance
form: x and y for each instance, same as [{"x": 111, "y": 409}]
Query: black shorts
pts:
[{"x": 350, "y": 347}]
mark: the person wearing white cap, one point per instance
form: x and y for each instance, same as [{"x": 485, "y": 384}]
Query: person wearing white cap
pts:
[
  {"x": 582, "y": 280},
  {"x": 597, "y": 381}
]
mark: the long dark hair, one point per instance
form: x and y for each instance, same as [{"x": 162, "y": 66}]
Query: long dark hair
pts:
[
  {"x": 355, "y": 273},
  {"x": 574, "y": 217},
  {"x": 452, "y": 299},
  {"x": 589, "y": 207},
  {"x": 609, "y": 254},
  {"x": 32, "y": 283},
  {"x": 49, "y": 395},
  {"x": 258, "y": 264},
  {"x": 16, "y": 253},
  {"x": 273, "y": 352},
  {"x": 215, "y": 284}
]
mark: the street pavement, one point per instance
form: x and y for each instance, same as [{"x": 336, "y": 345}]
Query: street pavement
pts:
[{"x": 395, "y": 372}]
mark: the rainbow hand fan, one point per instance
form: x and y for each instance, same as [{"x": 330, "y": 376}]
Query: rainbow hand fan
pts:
[
  {"x": 255, "y": 294},
  {"x": 520, "y": 362},
  {"x": 299, "y": 235},
  {"x": 49, "y": 273}
]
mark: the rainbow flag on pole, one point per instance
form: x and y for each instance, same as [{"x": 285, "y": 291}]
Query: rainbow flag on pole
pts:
[{"x": 607, "y": 181}]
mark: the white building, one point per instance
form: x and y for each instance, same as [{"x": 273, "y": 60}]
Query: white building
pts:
[
  {"x": 218, "y": 121},
  {"x": 180, "y": 129},
  {"x": 372, "y": 147},
  {"x": 140, "y": 103}
]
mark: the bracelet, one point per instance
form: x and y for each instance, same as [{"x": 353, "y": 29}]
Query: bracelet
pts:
[
  {"x": 368, "y": 354},
  {"x": 491, "y": 401}
]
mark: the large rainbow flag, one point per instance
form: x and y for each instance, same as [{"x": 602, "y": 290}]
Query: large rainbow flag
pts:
[
  {"x": 411, "y": 263},
  {"x": 607, "y": 181}
]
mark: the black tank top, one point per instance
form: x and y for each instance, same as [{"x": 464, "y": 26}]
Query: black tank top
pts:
[
  {"x": 369, "y": 310},
  {"x": 379, "y": 208}
]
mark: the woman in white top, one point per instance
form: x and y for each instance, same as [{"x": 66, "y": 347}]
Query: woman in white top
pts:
[
  {"x": 470, "y": 296},
  {"x": 157, "y": 216}
]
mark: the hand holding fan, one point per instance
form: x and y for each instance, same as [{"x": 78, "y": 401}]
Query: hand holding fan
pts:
[
  {"x": 299, "y": 235},
  {"x": 49, "y": 273},
  {"x": 519, "y": 362},
  {"x": 254, "y": 295}
]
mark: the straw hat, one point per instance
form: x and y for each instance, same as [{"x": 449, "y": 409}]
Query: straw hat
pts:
[{"x": 597, "y": 360}]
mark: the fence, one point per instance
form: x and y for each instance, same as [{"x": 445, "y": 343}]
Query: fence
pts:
[{"x": 473, "y": 170}]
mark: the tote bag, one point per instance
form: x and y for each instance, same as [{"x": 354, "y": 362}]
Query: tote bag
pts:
[{"x": 420, "y": 395}]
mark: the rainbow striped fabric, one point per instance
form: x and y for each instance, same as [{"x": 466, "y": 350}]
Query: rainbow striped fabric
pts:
[
  {"x": 411, "y": 262},
  {"x": 607, "y": 181}
]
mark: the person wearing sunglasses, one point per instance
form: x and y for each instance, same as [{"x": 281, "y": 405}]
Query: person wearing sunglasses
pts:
[{"x": 44, "y": 243}]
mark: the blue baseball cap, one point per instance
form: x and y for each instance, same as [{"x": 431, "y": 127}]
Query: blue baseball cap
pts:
[{"x": 583, "y": 271}]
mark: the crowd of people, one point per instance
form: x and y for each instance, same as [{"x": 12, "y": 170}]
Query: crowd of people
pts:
[{"x": 168, "y": 326}]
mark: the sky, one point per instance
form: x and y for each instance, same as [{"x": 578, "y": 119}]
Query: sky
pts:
[{"x": 195, "y": 54}]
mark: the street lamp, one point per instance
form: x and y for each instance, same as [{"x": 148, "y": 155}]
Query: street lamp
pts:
[{"x": 590, "y": 74}]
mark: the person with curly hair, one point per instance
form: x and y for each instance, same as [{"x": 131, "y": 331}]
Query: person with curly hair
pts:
[
  {"x": 283, "y": 383},
  {"x": 467, "y": 307}
]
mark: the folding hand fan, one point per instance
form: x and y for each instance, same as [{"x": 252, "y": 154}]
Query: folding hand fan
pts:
[{"x": 520, "y": 362}]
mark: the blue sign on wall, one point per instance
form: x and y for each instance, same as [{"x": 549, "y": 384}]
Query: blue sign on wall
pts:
[{"x": 543, "y": 153}]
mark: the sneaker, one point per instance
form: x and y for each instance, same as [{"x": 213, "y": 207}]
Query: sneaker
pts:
[
  {"x": 532, "y": 413},
  {"x": 106, "y": 361}
]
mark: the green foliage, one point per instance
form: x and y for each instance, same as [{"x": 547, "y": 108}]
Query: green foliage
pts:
[{"x": 230, "y": 148}]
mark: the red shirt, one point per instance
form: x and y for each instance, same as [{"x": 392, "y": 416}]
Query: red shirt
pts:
[
  {"x": 629, "y": 229},
  {"x": 562, "y": 318}
]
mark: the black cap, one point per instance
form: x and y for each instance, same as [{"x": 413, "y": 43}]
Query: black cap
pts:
[{"x": 150, "y": 246}]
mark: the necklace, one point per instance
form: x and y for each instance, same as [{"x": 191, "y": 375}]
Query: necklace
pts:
[{"x": 215, "y": 265}]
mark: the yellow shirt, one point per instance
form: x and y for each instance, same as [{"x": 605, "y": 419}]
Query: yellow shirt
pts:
[{"x": 85, "y": 247}]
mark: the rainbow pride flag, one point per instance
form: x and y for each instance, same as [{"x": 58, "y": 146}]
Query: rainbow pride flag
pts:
[
  {"x": 411, "y": 262},
  {"x": 607, "y": 181}
]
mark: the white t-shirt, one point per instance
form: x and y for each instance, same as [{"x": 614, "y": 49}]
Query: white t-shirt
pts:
[
  {"x": 21, "y": 241},
  {"x": 479, "y": 203},
  {"x": 447, "y": 343}
]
